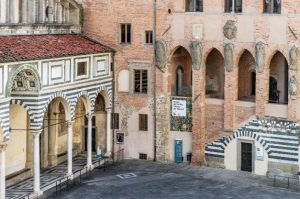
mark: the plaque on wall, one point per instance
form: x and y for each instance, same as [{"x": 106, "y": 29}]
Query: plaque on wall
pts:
[
  {"x": 260, "y": 153},
  {"x": 179, "y": 108}
]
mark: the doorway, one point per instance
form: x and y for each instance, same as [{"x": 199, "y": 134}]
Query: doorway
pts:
[
  {"x": 246, "y": 157},
  {"x": 93, "y": 139}
]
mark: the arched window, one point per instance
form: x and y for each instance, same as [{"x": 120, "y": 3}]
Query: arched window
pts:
[{"x": 179, "y": 81}]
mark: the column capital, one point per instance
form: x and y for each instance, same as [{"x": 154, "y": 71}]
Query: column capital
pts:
[
  {"x": 70, "y": 122},
  {"x": 89, "y": 116},
  {"x": 36, "y": 132},
  {"x": 3, "y": 147},
  {"x": 109, "y": 109}
]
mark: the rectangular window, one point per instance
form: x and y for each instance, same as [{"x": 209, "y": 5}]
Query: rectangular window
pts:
[
  {"x": 143, "y": 156},
  {"x": 126, "y": 33},
  {"x": 272, "y": 6},
  {"x": 141, "y": 81},
  {"x": 238, "y": 5},
  {"x": 149, "y": 37},
  {"x": 143, "y": 122},
  {"x": 115, "y": 121},
  {"x": 194, "y": 5},
  {"x": 81, "y": 68}
]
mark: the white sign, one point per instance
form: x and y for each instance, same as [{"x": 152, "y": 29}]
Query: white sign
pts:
[
  {"x": 260, "y": 153},
  {"x": 179, "y": 108}
]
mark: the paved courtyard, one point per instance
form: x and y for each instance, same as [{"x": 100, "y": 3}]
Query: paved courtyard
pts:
[{"x": 146, "y": 179}]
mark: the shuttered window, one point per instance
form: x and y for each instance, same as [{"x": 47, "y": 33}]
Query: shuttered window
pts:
[
  {"x": 126, "y": 33},
  {"x": 143, "y": 122},
  {"x": 115, "y": 121},
  {"x": 141, "y": 81}
]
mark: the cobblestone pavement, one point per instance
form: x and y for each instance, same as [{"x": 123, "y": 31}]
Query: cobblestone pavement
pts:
[
  {"x": 48, "y": 176},
  {"x": 146, "y": 179}
]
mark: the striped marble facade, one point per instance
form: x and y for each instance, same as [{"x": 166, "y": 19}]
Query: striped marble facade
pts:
[{"x": 278, "y": 137}]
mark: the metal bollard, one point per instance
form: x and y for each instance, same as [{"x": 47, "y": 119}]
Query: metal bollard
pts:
[
  {"x": 274, "y": 180},
  {"x": 288, "y": 182}
]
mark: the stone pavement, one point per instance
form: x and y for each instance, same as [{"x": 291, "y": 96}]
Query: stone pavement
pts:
[
  {"x": 48, "y": 177},
  {"x": 146, "y": 179}
]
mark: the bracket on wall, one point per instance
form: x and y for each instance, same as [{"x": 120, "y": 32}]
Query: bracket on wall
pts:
[
  {"x": 293, "y": 33},
  {"x": 197, "y": 96}
]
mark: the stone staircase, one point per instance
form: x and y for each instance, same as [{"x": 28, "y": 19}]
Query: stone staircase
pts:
[{"x": 279, "y": 138}]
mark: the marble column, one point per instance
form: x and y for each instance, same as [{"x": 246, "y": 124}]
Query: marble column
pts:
[
  {"x": 24, "y": 11},
  {"x": 36, "y": 162},
  {"x": 3, "y": 11},
  {"x": 108, "y": 132},
  {"x": 51, "y": 11},
  {"x": 70, "y": 148},
  {"x": 2, "y": 170},
  {"x": 89, "y": 141}
]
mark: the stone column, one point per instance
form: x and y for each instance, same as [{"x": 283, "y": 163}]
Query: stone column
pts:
[
  {"x": 70, "y": 148},
  {"x": 59, "y": 12},
  {"x": 52, "y": 133},
  {"x": 108, "y": 132},
  {"x": 230, "y": 88},
  {"x": 24, "y": 11},
  {"x": 51, "y": 11},
  {"x": 89, "y": 141},
  {"x": 233, "y": 6},
  {"x": 3, "y": 11},
  {"x": 36, "y": 162},
  {"x": 2, "y": 170}
]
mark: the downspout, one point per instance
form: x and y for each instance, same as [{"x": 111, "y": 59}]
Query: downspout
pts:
[
  {"x": 113, "y": 99},
  {"x": 154, "y": 79}
]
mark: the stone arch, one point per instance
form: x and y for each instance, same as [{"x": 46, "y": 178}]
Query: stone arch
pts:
[
  {"x": 86, "y": 102},
  {"x": 241, "y": 53},
  {"x": 208, "y": 51},
  {"x": 273, "y": 53},
  {"x": 21, "y": 103},
  {"x": 171, "y": 53},
  {"x": 65, "y": 101},
  {"x": 107, "y": 95},
  {"x": 249, "y": 134},
  {"x": 16, "y": 71}
]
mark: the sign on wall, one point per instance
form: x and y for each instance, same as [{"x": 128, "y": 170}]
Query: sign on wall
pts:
[
  {"x": 181, "y": 114},
  {"x": 179, "y": 108},
  {"x": 259, "y": 153}
]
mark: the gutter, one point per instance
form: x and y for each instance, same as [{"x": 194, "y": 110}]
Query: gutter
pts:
[{"x": 154, "y": 79}]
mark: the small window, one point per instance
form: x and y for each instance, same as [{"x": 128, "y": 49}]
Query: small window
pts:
[
  {"x": 81, "y": 68},
  {"x": 272, "y": 6},
  {"x": 238, "y": 4},
  {"x": 115, "y": 121},
  {"x": 126, "y": 33},
  {"x": 194, "y": 5},
  {"x": 143, "y": 156},
  {"x": 141, "y": 81},
  {"x": 149, "y": 37},
  {"x": 143, "y": 122}
]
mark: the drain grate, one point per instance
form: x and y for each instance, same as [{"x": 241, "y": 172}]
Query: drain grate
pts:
[{"x": 127, "y": 175}]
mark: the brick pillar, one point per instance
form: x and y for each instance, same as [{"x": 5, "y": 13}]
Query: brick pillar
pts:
[
  {"x": 230, "y": 88},
  {"x": 199, "y": 134},
  {"x": 262, "y": 79},
  {"x": 230, "y": 96},
  {"x": 293, "y": 111}
]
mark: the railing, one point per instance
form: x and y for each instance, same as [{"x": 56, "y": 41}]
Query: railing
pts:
[
  {"x": 288, "y": 178},
  {"x": 81, "y": 174}
]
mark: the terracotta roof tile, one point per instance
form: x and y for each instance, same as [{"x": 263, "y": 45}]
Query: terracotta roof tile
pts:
[{"x": 36, "y": 47}]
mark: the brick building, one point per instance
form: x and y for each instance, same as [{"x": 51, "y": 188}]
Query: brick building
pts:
[{"x": 227, "y": 79}]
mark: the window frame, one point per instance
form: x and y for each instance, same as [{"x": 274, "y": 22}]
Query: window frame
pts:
[
  {"x": 139, "y": 65},
  {"x": 87, "y": 75},
  {"x": 272, "y": 7},
  {"x": 228, "y": 9},
  {"x": 141, "y": 81},
  {"x": 194, "y": 6},
  {"x": 115, "y": 121},
  {"x": 143, "y": 122},
  {"x": 149, "y": 37},
  {"x": 126, "y": 41}
]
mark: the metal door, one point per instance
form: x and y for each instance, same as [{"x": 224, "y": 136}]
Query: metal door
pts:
[
  {"x": 246, "y": 157},
  {"x": 178, "y": 151}
]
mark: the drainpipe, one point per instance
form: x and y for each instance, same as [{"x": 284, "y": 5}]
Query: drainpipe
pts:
[
  {"x": 113, "y": 99},
  {"x": 154, "y": 79}
]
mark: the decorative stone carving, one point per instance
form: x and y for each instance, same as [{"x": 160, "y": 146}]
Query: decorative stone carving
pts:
[
  {"x": 196, "y": 53},
  {"x": 230, "y": 29},
  {"x": 161, "y": 54},
  {"x": 293, "y": 87},
  {"x": 25, "y": 81},
  {"x": 260, "y": 56},
  {"x": 294, "y": 52},
  {"x": 228, "y": 54}
]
